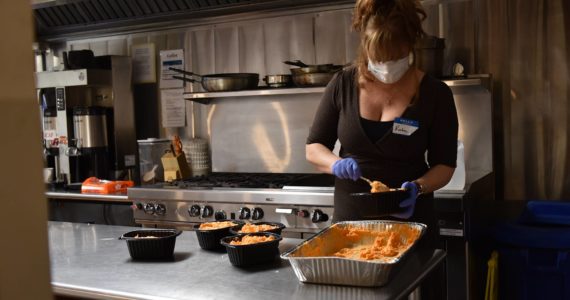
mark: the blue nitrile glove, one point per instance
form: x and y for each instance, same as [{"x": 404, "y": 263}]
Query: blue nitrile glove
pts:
[
  {"x": 346, "y": 168},
  {"x": 409, "y": 203}
]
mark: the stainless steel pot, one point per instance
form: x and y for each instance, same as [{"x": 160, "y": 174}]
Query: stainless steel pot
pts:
[
  {"x": 222, "y": 82},
  {"x": 307, "y": 69},
  {"x": 278, "y": 81},
  {"x": 312, "y": 75},
  {"x": 312, "y": 79}
]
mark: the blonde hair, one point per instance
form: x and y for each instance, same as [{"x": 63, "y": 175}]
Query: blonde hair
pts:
[{"x": 386, "y": 26}]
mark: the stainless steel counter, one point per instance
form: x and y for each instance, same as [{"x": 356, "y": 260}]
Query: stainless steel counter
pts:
[
  {"x": 76, "y": 195},
  {"x": 89, "y": 261}
]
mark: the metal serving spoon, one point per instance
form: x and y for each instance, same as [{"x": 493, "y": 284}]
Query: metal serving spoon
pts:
[{"x": 367, "y": 180}]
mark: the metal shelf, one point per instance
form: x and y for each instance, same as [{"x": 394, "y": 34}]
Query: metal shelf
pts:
[{"x": 205, "y": 98}]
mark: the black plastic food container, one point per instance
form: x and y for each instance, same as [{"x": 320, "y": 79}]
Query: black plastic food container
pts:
[
  {"x": 253, "y": 254},
  {"x": 379, "y": 204},
  {"x": 210, "y": 239},
  {"x": 280, "y": 227},
  {"x": 160, "y": 246}
]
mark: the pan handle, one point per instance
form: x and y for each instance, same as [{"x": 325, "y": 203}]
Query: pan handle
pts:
[
  {"x": 183, "y": 72},
  {"x": 185, "y": 79},
  {"x": 296, "y": 63}
]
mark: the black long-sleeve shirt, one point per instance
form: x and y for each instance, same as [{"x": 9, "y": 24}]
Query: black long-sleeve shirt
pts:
[{"x": 394, "y": 158}]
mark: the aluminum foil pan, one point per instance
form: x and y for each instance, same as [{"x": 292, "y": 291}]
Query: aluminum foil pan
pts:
[{"x": 339, "y": 270}]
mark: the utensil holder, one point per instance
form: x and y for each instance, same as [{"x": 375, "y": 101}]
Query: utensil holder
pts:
[{"x": 175, "y": 166}]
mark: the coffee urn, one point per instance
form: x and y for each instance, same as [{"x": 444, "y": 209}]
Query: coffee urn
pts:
[{"x": 90, "y": 145}]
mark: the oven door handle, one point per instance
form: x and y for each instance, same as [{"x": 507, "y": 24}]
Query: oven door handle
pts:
[{"x": 286, "y": 211}]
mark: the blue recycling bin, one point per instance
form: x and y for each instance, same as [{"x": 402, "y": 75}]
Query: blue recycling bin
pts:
[{"x": 534, "y": 253}]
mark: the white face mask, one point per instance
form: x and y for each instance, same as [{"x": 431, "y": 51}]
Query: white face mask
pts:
[{"x": 390, "y": 71}]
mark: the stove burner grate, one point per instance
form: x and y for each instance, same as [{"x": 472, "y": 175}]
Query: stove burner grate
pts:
[{"x": 253, "y": 180}]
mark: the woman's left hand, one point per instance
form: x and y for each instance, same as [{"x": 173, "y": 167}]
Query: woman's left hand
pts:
[{"x": 409, "y": 203}]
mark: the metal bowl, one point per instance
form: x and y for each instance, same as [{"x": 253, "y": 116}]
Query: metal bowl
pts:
[{"x": 278, "y": 81}]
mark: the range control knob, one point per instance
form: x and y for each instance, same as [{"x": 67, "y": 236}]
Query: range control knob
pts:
[
  {"x": 244, "y": 213},
  {"x": 303, "y": 213},
  {"x": 148, "y": 208},
  {"x": 319, "y": 216},
  {"x": 160, "y": 209},
  {"x": 220, "y": 215},
  {"x": 194, "y": 210},
  {"x": 257, "y": 213},
  {"x": 207, "y": 211}
]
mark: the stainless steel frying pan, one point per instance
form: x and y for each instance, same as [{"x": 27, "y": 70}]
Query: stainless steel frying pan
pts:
[{"x": 222, "y": 82}]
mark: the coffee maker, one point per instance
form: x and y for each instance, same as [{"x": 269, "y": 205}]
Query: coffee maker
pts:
[
  {"x": 49, "y": 117},
  {"x": 89, "y": 122}
]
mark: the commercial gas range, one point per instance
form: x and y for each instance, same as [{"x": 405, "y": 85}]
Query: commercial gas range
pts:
[{"x": 303, "y": 202}]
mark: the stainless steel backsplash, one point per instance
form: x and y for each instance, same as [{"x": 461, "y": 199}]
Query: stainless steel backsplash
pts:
[{"x": 261, "y": 134}]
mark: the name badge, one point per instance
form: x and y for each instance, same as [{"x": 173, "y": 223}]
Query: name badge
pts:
[{"x": 405, "y": 126}]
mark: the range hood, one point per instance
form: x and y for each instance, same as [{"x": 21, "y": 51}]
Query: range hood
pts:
[{"x": 64, "y": 17}]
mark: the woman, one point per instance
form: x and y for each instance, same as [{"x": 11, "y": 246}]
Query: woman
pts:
[{"x": 386, "y": 113}]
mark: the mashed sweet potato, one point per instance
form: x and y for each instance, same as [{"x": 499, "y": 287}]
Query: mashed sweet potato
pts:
[
  {"x": 378, "y": 187},
  {"x": 252, "y": 239},
  {"x": 251, "y": 228},
  {"x": 386, "y": 244},
  {"x": 216, "y": 225},
  {"x": 357, "y": 242}
]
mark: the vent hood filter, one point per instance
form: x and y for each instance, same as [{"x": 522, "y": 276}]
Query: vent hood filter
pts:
[{"x": 59, "y": 17}]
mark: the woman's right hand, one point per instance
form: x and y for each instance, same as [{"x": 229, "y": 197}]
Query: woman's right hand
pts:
[{"x": 346, "y": 168}]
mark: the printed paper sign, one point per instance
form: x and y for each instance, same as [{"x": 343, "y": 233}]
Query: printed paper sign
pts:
[
  {"x": 171, "y": 59},
  {"x": 173, "y": 108},
  {"x": 144, "y": 63}
]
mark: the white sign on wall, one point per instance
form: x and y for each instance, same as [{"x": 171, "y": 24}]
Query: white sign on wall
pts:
[
  {"x": 173, "y": 108},
  {"x": 171, "y": 59},
  {"x": 144, "y": 63}
]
